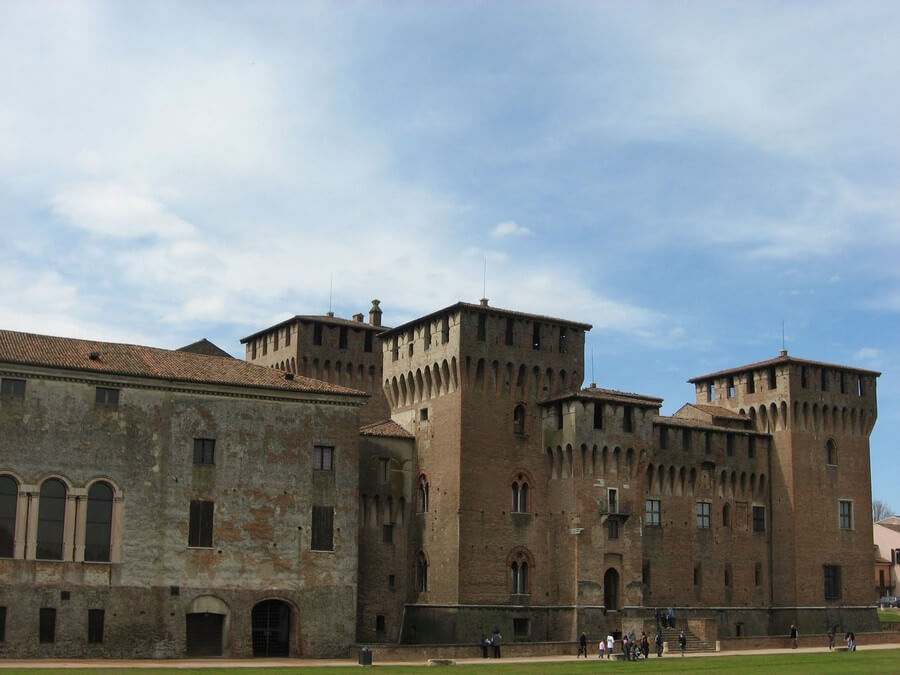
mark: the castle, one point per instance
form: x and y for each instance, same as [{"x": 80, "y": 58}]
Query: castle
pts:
[{"x": 246, "y": 510}]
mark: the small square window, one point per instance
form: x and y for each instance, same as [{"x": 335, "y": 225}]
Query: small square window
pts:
[
  {"x": 12, "y": 388},
  {"x": 423, "y": 414},
  {"x": 204, "y": 451},
  {"x": 107, "y": 398},
  {"x": 323, "y": 458},
  {"x": 521, "y": 627}
]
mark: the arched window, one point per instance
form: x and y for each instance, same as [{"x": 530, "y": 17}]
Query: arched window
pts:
[
  {"x": 520, "y": 495},
  {"x": 421, "y": 572},
  {"x": 519, "y": 420},
  {"x": 9, "y": 495},
  {"x": 51, "y": 520},
  {"x": 422, "y": 495},
  {"x": 830, "y": 453},
  {"x": 519, "y": 577},
  {"x": 98, "y": 529}
]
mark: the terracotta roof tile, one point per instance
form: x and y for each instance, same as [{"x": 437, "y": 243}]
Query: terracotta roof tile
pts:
[
  {"x": 719, "y": 411},
  {"x": 133, "y": 360},
  {"x": 387, "y": 429}
]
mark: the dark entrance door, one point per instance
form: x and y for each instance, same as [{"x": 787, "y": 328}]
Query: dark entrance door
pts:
[
  {"x": 611, "y": 589},
  {"x": 204, "y": 634},
  {"x": 271, "y": 621}
]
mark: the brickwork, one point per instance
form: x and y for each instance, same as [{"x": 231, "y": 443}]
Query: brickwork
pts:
[{"x": 260, "y": 479}]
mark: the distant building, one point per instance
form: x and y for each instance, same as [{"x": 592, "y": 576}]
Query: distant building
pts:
[{"x": 887, "y": 556}]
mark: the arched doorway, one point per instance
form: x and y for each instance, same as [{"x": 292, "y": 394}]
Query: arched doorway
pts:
[
  {"x": 611, "y": 589},
  {"x": 206, "y": 625},
  {"x": 271, "y": 625}
]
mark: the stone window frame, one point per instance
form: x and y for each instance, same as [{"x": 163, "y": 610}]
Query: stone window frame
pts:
[
  {"x": 520, "y": 488},
  {"x": 520, "y": 566}
]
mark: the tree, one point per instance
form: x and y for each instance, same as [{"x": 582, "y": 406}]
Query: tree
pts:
[{"x": 880, "y": 510}]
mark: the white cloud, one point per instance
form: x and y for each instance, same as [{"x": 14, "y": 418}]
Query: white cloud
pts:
[
  {"x": 867, "y": 354},
  {"x": 509, "y": 228},
  {"x": 113, "y": 210}
]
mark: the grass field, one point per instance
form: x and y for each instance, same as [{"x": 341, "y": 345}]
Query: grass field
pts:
[
  {"x": 889, "y": 615},
  {"x": 869, "y": 662}
]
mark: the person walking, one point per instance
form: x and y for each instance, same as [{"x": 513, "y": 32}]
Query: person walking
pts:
[
  {"x": 485, "y": 643},
  {"x": 496, "y": 639},
  {"x": 582, "y": 645},
  {"x": 670, "y": 618},
  {"x": 659, "y": 644},
  {"x": 794, "y": 635},
  {"x": 831, "y": 634},
  {"x": 682, "y": 642},
  {"x": 602, "y": 649},
  {"x": 645, "y": 645},
  {"x": 610, "y": 644}
]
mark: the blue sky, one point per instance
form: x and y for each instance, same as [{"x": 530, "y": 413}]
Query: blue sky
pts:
[{"x": 684, "y": 176}]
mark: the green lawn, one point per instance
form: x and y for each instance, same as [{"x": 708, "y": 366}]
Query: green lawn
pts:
[
  {"x": 874, "y": 661},
  {"x": 889, "y": 615}
]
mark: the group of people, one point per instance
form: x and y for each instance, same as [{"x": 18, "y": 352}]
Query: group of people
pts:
[
  {"x": 491, "y": 644},
  {"x": 665, "y": 619},
  {"x": 632, "y": 648}
]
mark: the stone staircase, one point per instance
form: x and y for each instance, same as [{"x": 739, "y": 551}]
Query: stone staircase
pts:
[{"x": 694, "y": 644}]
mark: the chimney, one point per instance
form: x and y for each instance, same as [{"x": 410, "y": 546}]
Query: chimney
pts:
[
  {"x": 375, "y": 313},
  {"x": 358, "y": 317},
  {"x": 484, "y": 302},
  {"x": 329, "y": 314}
]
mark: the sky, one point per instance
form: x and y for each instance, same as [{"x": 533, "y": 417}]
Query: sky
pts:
[{"x": 700, "y": 181}]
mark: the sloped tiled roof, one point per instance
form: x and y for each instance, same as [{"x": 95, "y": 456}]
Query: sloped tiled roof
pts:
[
  {"x": 114, "y": 358},
  {"x": 204, "y": 346},
  {"x": 719, "y": 411},
  {"x": 608, "y": 395},
  {"x": 784, "y": 358},
  {"x": 385, "y": 429}
]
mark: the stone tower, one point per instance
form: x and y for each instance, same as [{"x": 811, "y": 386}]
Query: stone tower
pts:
[{"x": 466, "y": 381}]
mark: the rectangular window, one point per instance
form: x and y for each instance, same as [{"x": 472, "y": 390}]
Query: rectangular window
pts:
[
  {"x": 697, "y": 575},
  {"x": 843, "y": 384},
  {"x": 342, "y": 338},
  {"x": 445, "y": 330},
  {"x": 757, "y": 574},
  {"x": 204, "y": 451},
  {"x": 423, "y": 415},
  {"x": 751, "y": 447},
  {"x": 287, "y": 336},
  {"x": 751, "y": 383},
  {"x": 845, "y": 514},
  {"x": 387, "y": 534},
  {"x": 47, "y": 624},
  {"x": 426, "y": 335},
  {"x": 265, "y": 344},
  {"x": 521, "y": 628},
  {"x": 395, "y": 348},
  {"x": 509, "y": 332},
  {"x": 653, "y": 512},
  {"x": 200, "y": 532},
  {"x": 2, "y": 624},
  {"x": 823, "y": 379},
  {"x": 253, "y": 350},
  {"x": 732, "y": 392},
  {"x": 275, "y": 340},
  {"x": 323, "y": 458},
  {"x": 613, "y": 526},
  {"x": 663, "y": 438},
  {"x": 860, "y": 386},
  {"x": 832, "y": 575},
  {"x": 95, "y": 626},
  {"x": 323, "y": 528},
  {"x": 598, "y": 415},
  {"x": 482, "y": 327},
  {"x": 559, "y": 415},
  {"x": 563, "y": 345},
  {"x": 612, "y": 499},
  {"x": 645, "y": 574},
  {"x": 628, "y": 418},
  {"x": 536, "y": 336},
  {"x": 686, "y": 439},
  {"x": 317, "y": 334},
  {"x": 759, "y": 518},
  {"x": 379, "y": 623},
  {"x": 392, "y": 581},
  {"x": 703, "y": 518},
  {"x": 708, "y": 442},
  {"x": 367, "y": 345},
  {"x": 772, "y": 375},
  {"x": 384, "y": 464},
  {"x": 12, "y": 388},
  {"x": 803, "y": 377},
  {"x": 107, "y": 398},
  {"x": 729, "y": 444}
]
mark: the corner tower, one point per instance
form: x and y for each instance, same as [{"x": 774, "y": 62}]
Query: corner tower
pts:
[{"x": 819, "y": 416}]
